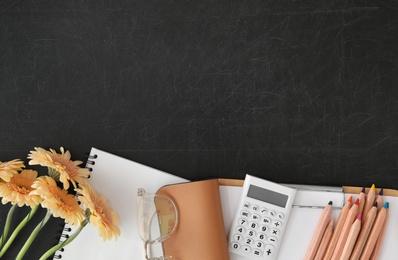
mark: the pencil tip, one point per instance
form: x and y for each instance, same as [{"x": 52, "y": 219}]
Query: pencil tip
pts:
[
  {"x": 357, "y": 201},
  {"x": 386, "y": 205},
  {"x": 375, "y": 204},
  {"x": 373, "y": 187},
  {"x": 360, "y": 217},
  {"x": 330, "y": 203},
  {"x": 381, "y": 191},
  {"x": 363, "y": 189},
  {"x": 350, "y": 199}
]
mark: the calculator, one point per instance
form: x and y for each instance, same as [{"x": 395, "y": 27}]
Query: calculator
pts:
[{"x": 261, "y": 218}]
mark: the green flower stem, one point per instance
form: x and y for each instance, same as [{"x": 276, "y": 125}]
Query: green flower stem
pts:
[
  {"x": 18, "y": 229},
  {"x": 52, "y": 250},
  {"x": 7, "y": 225},
  {"x": 32, "y": 236}
]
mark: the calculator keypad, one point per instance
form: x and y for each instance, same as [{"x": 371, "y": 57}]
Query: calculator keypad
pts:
[{"x": 257, "y": 231}]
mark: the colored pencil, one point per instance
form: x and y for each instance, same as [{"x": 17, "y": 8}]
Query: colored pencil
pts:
[
  {"x": 337, "y": 230},
  {"x": 376, "y": 251},
  {"x": 316, "y": 239},
  {"x": 375, "y": 232},
  {"x": 370, "y": 199},
  {"x": 352, "y": 214},
  {"x": 379, "y": 199},
  {"x": 362, "y": 200},
  {"x": 325, "y": 241},
  {"x": 365, "y": 230},
  {"x": 352, "y": 238}
]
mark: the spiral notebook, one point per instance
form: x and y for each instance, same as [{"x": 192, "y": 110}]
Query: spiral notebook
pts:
[{"x": 117, "y": 179}]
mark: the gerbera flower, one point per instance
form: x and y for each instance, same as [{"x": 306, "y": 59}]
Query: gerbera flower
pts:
[
  {"x": 105, "y": 219},
  {"x": 17, "y": 190},
  {"x": 58, "y": 201},
  {"x": 68, "y": 170},
  {"x": 7, "y": 169}
]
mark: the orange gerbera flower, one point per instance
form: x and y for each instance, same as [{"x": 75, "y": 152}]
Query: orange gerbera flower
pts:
[
  {"x": 58, "y": 201},
  {"x": 17, "y": 190},
  {"x": 68, "y": 170},
  {"x": 105, "y": 219},
  {"x": 8, "y": 169}
]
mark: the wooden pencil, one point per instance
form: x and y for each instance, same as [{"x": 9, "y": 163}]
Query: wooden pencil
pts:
[
  {"x": 325, "y": 241},
  {"x": 362, "y": 200},
  {"x": 337, "y": 230},
  {"x": 375, "y": 232},
  {"x": 352, "y": 238},
  {"x": 352, "y": 214},
  {"x": 364, "y": 233},
  {"x": 379, "y": 199},
  {"x": 379, "y": 243},
  {"x": 370, "y": 199},
  {"x": 316, "y": 239}
]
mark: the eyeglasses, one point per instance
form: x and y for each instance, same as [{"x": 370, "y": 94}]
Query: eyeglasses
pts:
[{"x": 157, "y": 220}]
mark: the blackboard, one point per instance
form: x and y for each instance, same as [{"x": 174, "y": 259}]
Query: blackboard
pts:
[{"x": 291, "y": 91}]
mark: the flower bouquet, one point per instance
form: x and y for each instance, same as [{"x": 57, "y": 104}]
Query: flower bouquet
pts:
[{"x": 64, "y": 191}]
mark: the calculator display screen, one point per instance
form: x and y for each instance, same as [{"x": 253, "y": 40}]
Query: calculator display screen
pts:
[{"x": 269, "y": 196}]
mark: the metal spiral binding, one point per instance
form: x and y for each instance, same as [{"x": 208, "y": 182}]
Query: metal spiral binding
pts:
[
  {"x": 68, "y": 229},
  {"x": 90, "y": 161}
]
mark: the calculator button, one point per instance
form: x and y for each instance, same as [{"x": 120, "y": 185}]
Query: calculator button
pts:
[
  {"x": 242, "y": 221},
  {"x": 259, "y": 244},
  {"x": 257, "y": 252},
  {"x": 280, "y": 215},
  {"x": 238, "y": 237},
  {"x": 235, "y": 246},
  {"x": 277, "y": 224},
  {"x": 269, "y": 250},
  {"x": 272, "y": 240},
  {"x": 272, "y": 213},
  {"x": 249, "y": 241},
  {"x": 253, "y": 225},
  {"x": 255, "y": 208},
  {"x": 263, "y": 211},
  {"x": 246, "y": 249},
  {"x": 246, "y": 205},
  {"x": 245, "y": 213},
  {"x": 264, "y": 228},
  {"x": 255, "y": 217},
  {"x": 274, "y": 232},
  {"x": 251, "y": 233},
  {"x": 261, "y": 236},
  {"x": 240, "y": 230},
  {"x": 266, "y": 220}
]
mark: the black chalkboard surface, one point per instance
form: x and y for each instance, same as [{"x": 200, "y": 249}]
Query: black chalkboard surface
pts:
[{"x": 290, "y": 91}]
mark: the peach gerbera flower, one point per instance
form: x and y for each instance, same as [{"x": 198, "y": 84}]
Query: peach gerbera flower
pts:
[
  {"x": 101, "y": 216},
  {"x": 8, "y": 169},
  {"x": 68, "y": 170},
  {"x": 58, "y": 201},
  {"x": 17, "y": 190}
]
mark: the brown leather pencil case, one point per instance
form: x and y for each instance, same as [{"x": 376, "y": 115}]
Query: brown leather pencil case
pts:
[{"x": 200, "y": 232}]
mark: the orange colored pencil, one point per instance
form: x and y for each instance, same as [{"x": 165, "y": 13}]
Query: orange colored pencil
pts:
[
  {"x": 325, "y": 241},
  {"x": 362, "y": 200},
  {"x": 352, "y": 214},
  {"x": 370, "y": 199},
  {"x": 337, "y": 230},
  {"x": 375, "y": 232},
  {"x": 316, "y": 239},
  {"x": 365, "y": 230},
  {"x": 352, "y": 238},
  {"x": 376, "y": 251}
]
